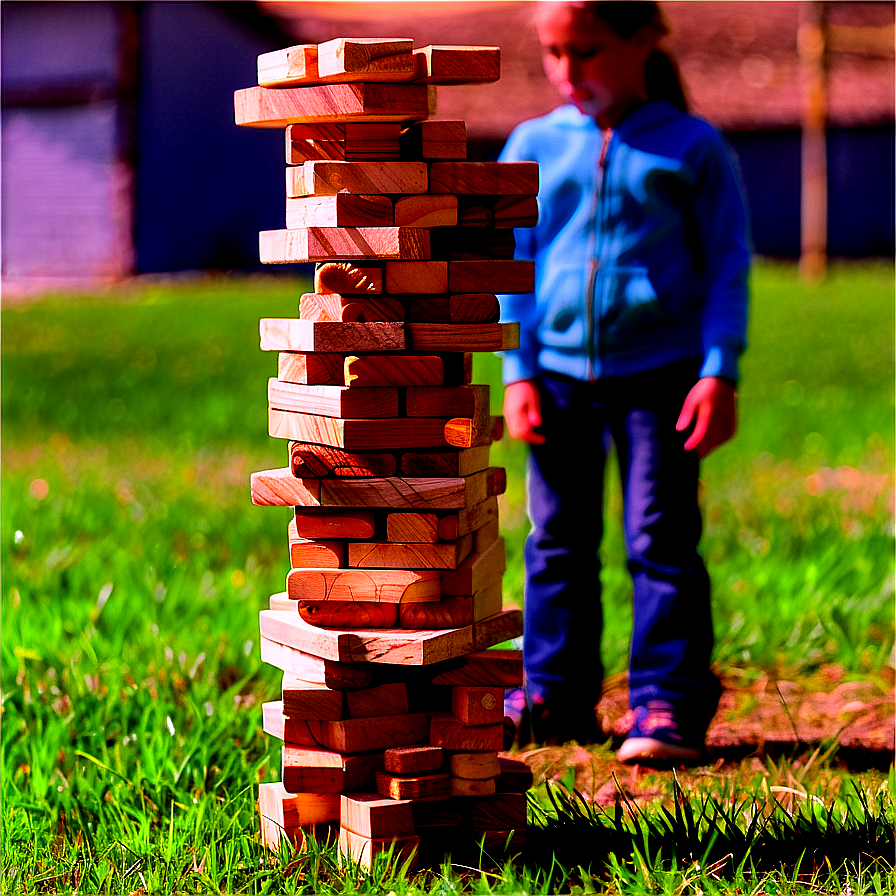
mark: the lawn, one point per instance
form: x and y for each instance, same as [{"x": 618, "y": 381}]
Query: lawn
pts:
[{"x": 134, "y": 566}]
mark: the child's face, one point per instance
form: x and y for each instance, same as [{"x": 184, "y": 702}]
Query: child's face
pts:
[{"x": 600, "y": 73}]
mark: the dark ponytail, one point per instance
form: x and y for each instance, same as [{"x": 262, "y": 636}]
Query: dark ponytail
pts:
[{"x": 626, "y": 18}]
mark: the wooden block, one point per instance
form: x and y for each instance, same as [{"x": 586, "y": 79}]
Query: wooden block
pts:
[
  {"x": 264, "y": 108},
  {"x": 515, "y": 211},
  {"x": 345, "y": 278},
  {"x": 284, "y": 815},
  {"x": 363, "y": 178},
  {"x": 339, "y": 210},
  {"x": 307, "y": 460},
  {"x": 364, "y": 850},
  {"x": 457, "y": 65},
  {"x": 414, "y": 493},
  {"x": 475, "y": 766},
  {"x": 515, "y": 776},
  {"x": 336, "y": 676},
  {"x": 462, "y": 308},
  {"x": 430, "y": 150},
  {"x": 376, "y": 733},
  {"x": 503, "y": 811},
  {"x": 490, "y": 668},
  {"x": 305, "y": 552},
  {"x": 418, "y": 787},
  {"x": 446, "y": 401},
  {"x": 382, "y": 585},
  {"x": 396, "y": 433},
  {"x": 425, "y": 211},
  {"x": 315, "y": 306},
  {"x": 349, "y": 614},
  {"x": 489, "y": 276},
  {"x": 454, "y": 525},
  {"x": 449, "y": 612},
  {"x": 487, "y": 602},
  {"x": 449, "y": 732},
  {"x": 372, "y": 815},
  {"x": 471, "y": 787},
  {"x": 281, "y": 602},
  {"x": 294, "y": 335},
  {"x": 477, "y": 705},
  {"x": 390, "y": 698},
  {"x": 421, "y": 277},
  {"x": 477, "y": 571},
  {"x": 299, "y": 732},
  {"x": 346, "y": 132},
  {"x": 476, "y": 211},
  {"x": 485, "y": 535},
  {"x": 412, "y": 527},
  {"x": 312, "y": 369},
  {"x": 393, "y": 370},
  {"x": 394, "y": 646},
  {"x": 286, "y": 66},
  {"x": 302, "y": 700},
  {"x": 333, "y": 401},
  {"x": 385, "y": 59},
  {"x": 495, "y": 178},
  {"x": 308, "y": 770},
  {"x": 353, "y": 142},
  {"x": 320, "y": 243},
  {"x": 444, "y": 463},
  {"x": 354, "y": 523},
  {"x": 476, "y": 337},
  {"x": 385, "y": 555},
  {"x": 413, "y": 760},
  {"x": 279, "y": 488}
]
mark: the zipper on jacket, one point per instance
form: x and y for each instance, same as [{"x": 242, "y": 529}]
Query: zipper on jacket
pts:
[{"x": 593, "y": 260}]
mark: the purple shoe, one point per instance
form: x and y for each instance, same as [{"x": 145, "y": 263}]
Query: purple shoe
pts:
[{"x": 656, "y": 739}]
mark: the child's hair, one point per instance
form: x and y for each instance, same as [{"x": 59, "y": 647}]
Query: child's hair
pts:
[{"x": 626, "y": 18}]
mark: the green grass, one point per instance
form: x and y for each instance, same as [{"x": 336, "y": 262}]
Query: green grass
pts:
[{"x": 134, "y": 566}]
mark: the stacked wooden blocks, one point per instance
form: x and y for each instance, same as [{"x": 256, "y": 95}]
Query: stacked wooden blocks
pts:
[{"x": 391, "y": 714}]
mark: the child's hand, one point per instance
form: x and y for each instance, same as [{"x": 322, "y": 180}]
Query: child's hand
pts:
[
  {"x": 522, "y": 411},
  {"x": 711, "y": 406}
]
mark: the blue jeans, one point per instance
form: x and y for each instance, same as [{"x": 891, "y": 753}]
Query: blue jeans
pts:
[{"x": 672, "y": 635}]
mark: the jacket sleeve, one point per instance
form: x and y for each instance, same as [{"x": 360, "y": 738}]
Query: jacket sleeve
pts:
[
  {"x": 520, "y": 363},
  {"x": 721, "y": 219}
]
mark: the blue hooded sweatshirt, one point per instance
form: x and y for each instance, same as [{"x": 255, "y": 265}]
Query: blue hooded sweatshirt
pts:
[{"x": 641, "y": 250}]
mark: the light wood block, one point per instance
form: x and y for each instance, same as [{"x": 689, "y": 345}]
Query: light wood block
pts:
[
  {"x": 495, "y": 178},
  {"x": 351, "y": 523},
  {"x": 349, "y": 614},
  {"x": 446, "y": 401},
  {"x": 308, "y": 770},
  {"x": 438, "y": 130},
  {"x": 290, "y": 65},
  {"x": 489, "y": 668},
  {"x": 413, "y": 760},
  {"x": 418, "y": 787},
  {"x": 310, "y": 369},
  {"x": 501, "y": 812},
  {"x": 339, "y": 210},
  {"x": 393, "y": 370},
  {"x": 457, "y": 65},
  {"x": 474, "y": 766},
  {"x": 412, "y": 527},
  {"x": 333, "y": 401},
  {"x": 425, "y": 211},
  {"x": 477, "y": 572},
  {"x": 372, "y": 815},
  {"x": 449, "y": 612},
  {"x": 276, "y": 108},
  {"x": 353, "y": 142},
  {"x": 515, "y": 777},
  {"x": 345, "y": 278},
  {"x": 485, "y": 535},
  {"x": 473, "y": 337},
  {"x": 321, "y": 243},
  {"x": 299, "y": 732},
  {"x": 336, "y": 676},
  {"x": 384, "y": 58},
  {"x": 471, "y": 787},
  {"x": 290, "y": 334},
  {"x": 420, "y": 278},
  {"x": 455, "y": 525},
  {"x": 461, "y": 308},
  {"x": 445, "y": 463},
  {"x": 499, "y": 276},
  {"x": 449, "y": 732},
  {"x": 302, "y": 700},
  {"x": 285, "y": 816},
  {"x": 279, "y": 488},
  {"x": 305, "y": 552},
  {"x": 376, "y": 733},
  {"x": 414, "y": 493},
  {"x": 362, "y": 178},
  {"x": 390, "y": 586},
  {"x": 364, "y": 850},
  {"x": 394, "y": 646},
  {"x": 310, "y": 461},
  {"x": 385, "y": 555},
  {"x": 390, "y": 698},
  {"x": 334, "y": 307},
  {"x": 477, "y": 705}
]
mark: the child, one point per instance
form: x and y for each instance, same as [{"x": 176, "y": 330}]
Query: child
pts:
[{"x": 633, "y": 336}]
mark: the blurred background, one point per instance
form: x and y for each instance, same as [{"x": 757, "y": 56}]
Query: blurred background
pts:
[{"x": 120, "y": 156}]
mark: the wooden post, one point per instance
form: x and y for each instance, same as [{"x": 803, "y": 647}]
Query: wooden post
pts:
[{"x": 812, "y": 43}]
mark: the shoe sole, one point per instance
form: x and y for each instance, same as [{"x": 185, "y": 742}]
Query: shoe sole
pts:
[{"x": 646, "y": 748}]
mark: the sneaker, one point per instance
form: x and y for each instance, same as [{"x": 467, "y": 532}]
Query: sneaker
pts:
[
  {"x": 655, "y": 738},
  {"x": 517, "y": 726}
]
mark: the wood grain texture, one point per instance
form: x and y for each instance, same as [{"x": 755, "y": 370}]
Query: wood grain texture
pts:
[
  {"x": 495, "y": 668},
  {"x": 413, "y": 760},
  {"x": 477, "y": 572},
  {"x": 461, "y": 308},
  {"x": 393, "y": 370},
  {"x": 311, "y": 369},
  {"x": 464, "y": 787},
  {"x": 309, "y": 770},
  {"x": 333, "y": 401},
  {"x": 446, "y": 401},
  {"x": 305, "y": 552},
  {"x": 386, "y": 555},
  {"x": 363, "y": 850},
  {"x": 346, "y": 278},
  {"x": 375, "y": 733},
  {"x": 383, "y": 585},
  {"x": 444, "y": 463},
  {"x": 475, "y": 766},
  {"x": 307, "y": 460},
  {"x": 390, "y": 698},
  {"x": 457, "y": 65},
  {"x": 279, "y": 488},
  {"x": 372, "y": 815},
  {"x": 302, "y": 700},
  {"x": 503, "y": 811},
  {"x": 495, "y": 178},
  {"x": 353, "y": 142},
  {"x": 290, "y": 334},
  {"x": 412, "y": 527},
  {"x": 334, "y": 307},
  {"x": 363, "y": 178},
  {"x": 351, "y": 523},
  {"x": 299, "y": 732},
  {"x": 339, "y": 210},
  {"x": 322, "y": 243},
  {"x": 425, "y": 211},
  {"x": 279, "y": 68},
  {"x": 382, "y": 59},
  {"x": 336, "y": 676},
  {"x": 416, "y": 787},
  {"x": 515, "y": 211},
  {"x": 408, "y": 494},
  {"x": 455, "y": 525},
  {"x": 477, "y": 705},
  {"x": 422, "y": 278},
  {"x": 449, "y": 612},
  {"x": 276, "y": 108},
  {"x": 465, "y": 337},
  {"x": 515, "y": 276},
  {"x": 445, "y": 730},
  {"x": 360, "y": 614}
]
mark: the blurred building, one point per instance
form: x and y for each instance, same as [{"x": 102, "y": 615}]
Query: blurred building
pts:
[{"x": 119, "y": 154}]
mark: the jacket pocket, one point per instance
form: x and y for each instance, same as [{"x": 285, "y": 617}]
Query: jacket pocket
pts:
[
  {"x": 629, "y": 309},
  {"x": 563, "y": 311}
]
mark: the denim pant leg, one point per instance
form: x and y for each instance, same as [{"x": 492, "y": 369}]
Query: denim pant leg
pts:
[
  {"x": 672, "y": 636},
  {"x": 561, "y": 641}
]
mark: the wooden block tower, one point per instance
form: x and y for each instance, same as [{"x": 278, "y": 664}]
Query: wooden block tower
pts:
[{"x": 391, "y": 714}]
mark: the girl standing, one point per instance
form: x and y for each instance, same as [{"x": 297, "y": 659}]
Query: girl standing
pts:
[{"x": 631, "y": 337}]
